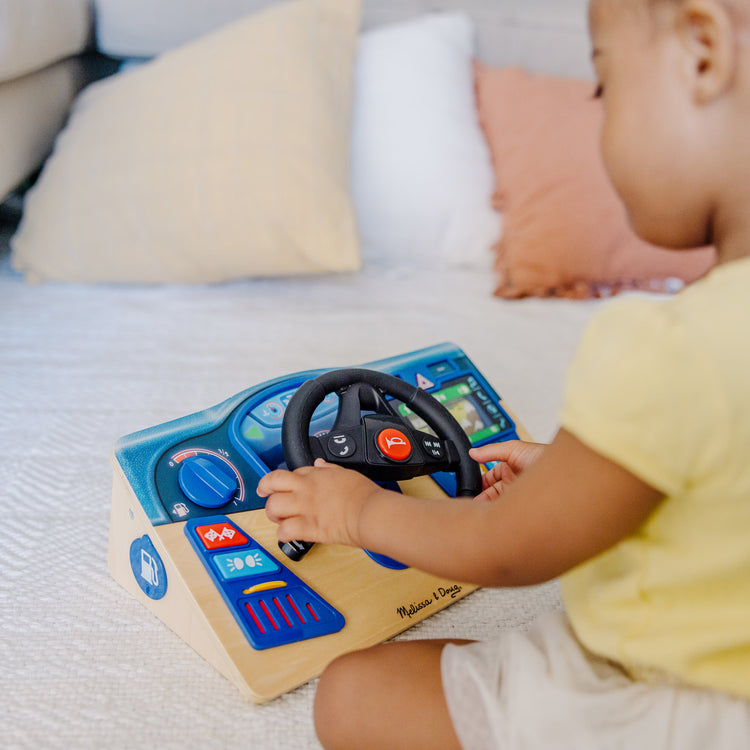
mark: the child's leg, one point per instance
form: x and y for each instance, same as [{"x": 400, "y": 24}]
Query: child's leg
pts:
[{"x": 389, "y": 696}]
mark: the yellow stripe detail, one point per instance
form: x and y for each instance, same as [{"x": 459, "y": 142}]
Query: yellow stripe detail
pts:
[{"x": 267, "y": 586}]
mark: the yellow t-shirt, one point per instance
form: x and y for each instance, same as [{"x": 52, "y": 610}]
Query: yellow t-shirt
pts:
[{"x": 663, "y": 389}]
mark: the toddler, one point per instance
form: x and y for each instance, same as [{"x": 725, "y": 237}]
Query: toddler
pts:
[{"x": 641, "y": 504}]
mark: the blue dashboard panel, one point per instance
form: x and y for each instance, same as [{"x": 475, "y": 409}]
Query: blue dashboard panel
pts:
[{"x": 193, "y": 466}]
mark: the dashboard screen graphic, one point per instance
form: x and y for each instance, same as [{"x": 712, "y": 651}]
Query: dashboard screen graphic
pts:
[{"x": 470, "y": 406}]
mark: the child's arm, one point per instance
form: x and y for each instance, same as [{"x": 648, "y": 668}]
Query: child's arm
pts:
[{"x": 568, "y": 506}]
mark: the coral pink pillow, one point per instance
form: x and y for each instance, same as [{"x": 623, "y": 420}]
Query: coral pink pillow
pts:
[{"x": 565, "y": 231}]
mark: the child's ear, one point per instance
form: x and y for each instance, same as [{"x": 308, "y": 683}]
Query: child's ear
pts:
[{"x": 708, "y": 37}]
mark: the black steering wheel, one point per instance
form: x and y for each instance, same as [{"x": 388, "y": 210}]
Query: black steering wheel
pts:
[{"x": 370, "y": 435}]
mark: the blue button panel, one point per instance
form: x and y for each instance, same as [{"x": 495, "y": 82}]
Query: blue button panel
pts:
[{"x": 271, "y": 604}]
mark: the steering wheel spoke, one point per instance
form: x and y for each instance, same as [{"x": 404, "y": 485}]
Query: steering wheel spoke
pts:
[{"x": 357, "y": 398}]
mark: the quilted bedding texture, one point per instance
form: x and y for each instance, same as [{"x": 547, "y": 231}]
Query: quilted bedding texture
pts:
[{"x": 84, "y": 664}]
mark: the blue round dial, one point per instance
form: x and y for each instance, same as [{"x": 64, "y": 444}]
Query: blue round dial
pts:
[{"x": 207, "y": 480}]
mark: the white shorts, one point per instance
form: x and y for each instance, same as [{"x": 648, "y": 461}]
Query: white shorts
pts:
[{"x": 540, "y": 689}]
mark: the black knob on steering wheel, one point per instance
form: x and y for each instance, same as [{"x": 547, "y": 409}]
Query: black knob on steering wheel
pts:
[{"x": 371, "y": 436}]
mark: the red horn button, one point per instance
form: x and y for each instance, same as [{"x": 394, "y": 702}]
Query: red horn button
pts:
[{"x": 394, "y": 444}]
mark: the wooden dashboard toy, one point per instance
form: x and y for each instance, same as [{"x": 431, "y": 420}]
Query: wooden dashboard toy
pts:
[{"x": 189, "y": 537}]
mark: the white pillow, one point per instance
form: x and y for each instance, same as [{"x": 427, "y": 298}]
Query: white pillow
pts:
[
  {"x": 35, "y": 33},
  {"x": 422, "y": 178},
  {"x": 224, "y": 159}
]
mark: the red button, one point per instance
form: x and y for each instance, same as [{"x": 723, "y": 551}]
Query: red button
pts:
[
  {"x": 220, "y": 535},
  {"x": 394, "y": 444}
]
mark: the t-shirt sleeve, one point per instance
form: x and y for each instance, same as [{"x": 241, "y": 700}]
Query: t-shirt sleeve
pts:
[{"x": 640, "y": 392}]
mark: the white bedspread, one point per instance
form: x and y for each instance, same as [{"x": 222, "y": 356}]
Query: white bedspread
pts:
[{"x": 83, "y": 664}]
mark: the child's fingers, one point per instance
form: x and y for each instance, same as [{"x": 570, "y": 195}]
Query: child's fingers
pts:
[
  {"x": 294, "y": 528},
  {"x": 281, "y": 481},
  {"x": 275, "y": 481},
  {"x": 517, "y": 454},
  {"x": 494, "y": 475},
  {"x": 494, "y": 451},
  {"x": 282, "y": 505},
  {"x": 491, "y": 492}
]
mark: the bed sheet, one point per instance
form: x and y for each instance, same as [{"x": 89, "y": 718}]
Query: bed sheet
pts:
[{"x": 83, "y": 664}]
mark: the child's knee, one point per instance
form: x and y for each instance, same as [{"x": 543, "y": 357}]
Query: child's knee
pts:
[
  {"x": 336, "y": 699},
  {"x": 338, "y": 678}
]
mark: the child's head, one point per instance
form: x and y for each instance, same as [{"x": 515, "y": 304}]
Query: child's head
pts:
[{"x": 675, "y": 77}]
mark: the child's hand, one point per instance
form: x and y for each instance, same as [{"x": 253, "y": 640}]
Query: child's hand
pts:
[
  {"x": 513, "y": 456},
  {"x": 320, "y": 503}
]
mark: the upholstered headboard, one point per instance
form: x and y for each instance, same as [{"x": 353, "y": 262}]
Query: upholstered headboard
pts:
[{"x": 540, "y": 35}]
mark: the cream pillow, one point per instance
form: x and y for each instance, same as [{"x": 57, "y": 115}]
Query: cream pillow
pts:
[
  {"x": 35, "y": 33},
  {"x": 33, "y": 108},
  {"x": 226, "y": 158}
]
